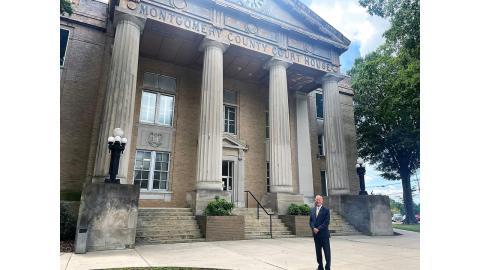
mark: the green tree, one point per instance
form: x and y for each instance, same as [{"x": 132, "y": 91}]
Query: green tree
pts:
[
  {"x": 65, "y": 7},
  {"x": 387, "y": 96}
]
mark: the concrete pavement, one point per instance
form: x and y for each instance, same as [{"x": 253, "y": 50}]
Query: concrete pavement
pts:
[{"x": 348, "y": 252}]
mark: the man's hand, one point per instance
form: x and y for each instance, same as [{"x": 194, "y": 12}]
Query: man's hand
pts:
[{"x": 315, "y": 230}]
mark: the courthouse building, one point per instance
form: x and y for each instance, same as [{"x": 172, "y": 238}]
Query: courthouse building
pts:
[{"x": 215, "y": 96}]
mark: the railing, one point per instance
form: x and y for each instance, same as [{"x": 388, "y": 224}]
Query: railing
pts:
[{"x": 258, "y": 210}]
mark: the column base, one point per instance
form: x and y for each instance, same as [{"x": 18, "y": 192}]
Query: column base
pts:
[
  {"x": 281, "y": 189},
  {"x": 370, "y": 214},
  {"x": 279, "y": 202},
  {"x": 199, "y": 199},
  {"x": 338, "y": 191},
  {"x": 210, "y": 185}
]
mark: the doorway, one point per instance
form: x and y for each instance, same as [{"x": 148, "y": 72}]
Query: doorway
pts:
[{"x": 227, "y": 177}]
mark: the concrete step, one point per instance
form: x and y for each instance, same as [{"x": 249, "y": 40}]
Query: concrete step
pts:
[
  {"x": 149, "y": 218},
  {"x": 157, "y": 238},
  {"x": 166, "y": 225},
  {"x": 166, "y": 235},
  {"x": 167, "y": 231}
]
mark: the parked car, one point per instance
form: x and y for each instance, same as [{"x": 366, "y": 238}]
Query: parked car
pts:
[
  {"x": 397, "y": 218},
  {"x": 417, "y": 217}
]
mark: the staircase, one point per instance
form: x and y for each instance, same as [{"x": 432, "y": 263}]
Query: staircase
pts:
[
  {"x": 339, "y": 226},
  {"x": 167, "y": 225},
  {"x": 260, "y": 228}
]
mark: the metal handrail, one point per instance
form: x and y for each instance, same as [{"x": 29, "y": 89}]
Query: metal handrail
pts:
[{"x": 258, "y": 210}]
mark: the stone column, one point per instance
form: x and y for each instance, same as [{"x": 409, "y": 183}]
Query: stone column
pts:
[
  {"x": 279, "y": 120},
  {"x": 209, "y": 151},
  {"x": 209, "y": 154},
  {"x": 120, "y": 95},
  {"x": 304, "y": 155},
  {"x": 337, "y": 175},
  {"x": 281, "y": 195}
]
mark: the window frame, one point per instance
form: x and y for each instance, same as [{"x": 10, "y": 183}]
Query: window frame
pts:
[
  {"x": 267, "y": 125},
  {"x": 316, "y": 107},
  {"x": 324, "y": 192},
  {"x": 234, "y": 107},
  {"x": 151, "y": 171},
  {"x": 157, "y": 107},
  {"x": 322, "y": 154},
  {"x": 267, "y": 177},
  {"x": 66, "y": 46}
]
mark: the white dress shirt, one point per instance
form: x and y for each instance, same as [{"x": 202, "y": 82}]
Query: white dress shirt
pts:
[{"x": 318, "y": 210}]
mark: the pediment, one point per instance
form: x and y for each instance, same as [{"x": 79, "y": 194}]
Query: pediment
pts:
[
  {"x": 292, "y": 13},
  {"x": 230, "y": 141}
]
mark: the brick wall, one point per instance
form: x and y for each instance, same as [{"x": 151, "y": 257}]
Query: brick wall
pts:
[
  {"x": 80, "y": 80},
  {"x": 218, "y": 228}
]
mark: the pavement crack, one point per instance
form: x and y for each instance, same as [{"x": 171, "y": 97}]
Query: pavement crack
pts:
[
  {"x": 143, "y": 258},
  {"x": 66, "y": 266}
]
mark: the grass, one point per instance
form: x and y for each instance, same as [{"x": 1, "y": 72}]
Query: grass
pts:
[{"x": 407, "y": 227}]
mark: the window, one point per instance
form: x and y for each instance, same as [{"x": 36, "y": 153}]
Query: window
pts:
[
  {"x": 321, "y": 150},
  {"x": 268, "y": 176},
  {"x": 230, "y": 111},
  {"x": 156, "y": 108},
  {"x": 227, "y": 175},
  {"x": 151, "y": 170},
  {"x": 267, "y": 126},
  {"x": 64, "y": 33},
  {"x": 323, "y": 179},
  {"x": 229, "y": 119},
  {"x": 319, "y": 102}
]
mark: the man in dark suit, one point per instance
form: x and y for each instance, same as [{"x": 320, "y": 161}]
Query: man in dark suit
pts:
[{"x": 319, "y": 221}]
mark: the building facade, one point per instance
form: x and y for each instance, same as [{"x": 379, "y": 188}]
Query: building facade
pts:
[{"x": 219, "y": 97}]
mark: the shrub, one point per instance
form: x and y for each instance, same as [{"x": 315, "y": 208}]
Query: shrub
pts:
[
  {"x": 297, "y": 210},
  {"x": 304, "y": 210},
  {"x": 68, "y": 224},
  {"x": 219, "y": 207},
  {"x": 293, "y": 209}
]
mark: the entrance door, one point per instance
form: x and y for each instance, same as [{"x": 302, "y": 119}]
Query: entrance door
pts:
[{"x": 227, "y": 177}]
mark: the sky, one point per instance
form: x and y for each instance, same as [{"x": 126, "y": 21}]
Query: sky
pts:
[{"x": 365, "y": 33}]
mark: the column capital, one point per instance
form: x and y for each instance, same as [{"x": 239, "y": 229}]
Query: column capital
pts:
[
  {"x": 275, "y": 61},
  {"x": 208, "y": 42},
  {"x": 329, "y": 77},
  {"x": 121, "y": 16}
]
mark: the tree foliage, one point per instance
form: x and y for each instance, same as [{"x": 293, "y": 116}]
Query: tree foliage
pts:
[
  {"x": 65, "y": 7},
  {"x": 387, "y": 96}
]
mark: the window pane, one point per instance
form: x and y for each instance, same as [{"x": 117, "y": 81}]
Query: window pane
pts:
[
  {"x": 136, "y": 182},
  {"x": 156, "y": 184},
  {"x": 163, "y": 176},
  {"x": 229, "y": 96},
  {"x": 147, "y": 108},
  {"x": 63, "y": 45},
  {"x": 165, "y": 110},
  {"x": 138, "y": 175},
  {"x": 167, "y": 83},
  {"x": 319, "y": 102},
  {"x": 144, "y": 184},
  {"x": 156, "y": 175},
  {"x": 150, "y": 80},
  {"x": 163, "y": 184},
  {"x": 144, "y": 174},
  {"x": 164, "y": 166}
]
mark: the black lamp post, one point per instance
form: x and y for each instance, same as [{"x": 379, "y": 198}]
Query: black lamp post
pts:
[
  {"x": 116, "y": 145},
  {"x": 361, "y": 176}
]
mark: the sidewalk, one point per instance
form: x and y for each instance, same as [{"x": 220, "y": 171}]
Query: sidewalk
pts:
[{"x": 348, "y": 252}]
